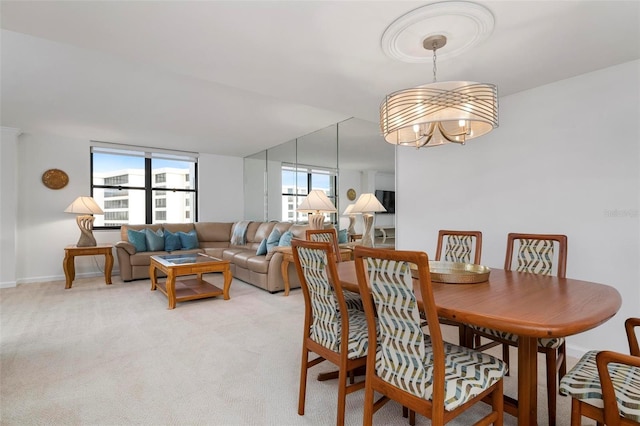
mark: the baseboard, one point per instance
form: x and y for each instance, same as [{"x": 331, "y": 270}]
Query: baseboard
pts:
[
  {"x": 36, "y": 280},
  {"x": 8, "y": 284}
]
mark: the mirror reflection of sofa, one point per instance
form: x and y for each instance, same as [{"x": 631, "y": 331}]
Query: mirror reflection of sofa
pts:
[{"x": 249, "y": 261}]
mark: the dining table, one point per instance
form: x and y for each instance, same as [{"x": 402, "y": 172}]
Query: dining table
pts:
[{"x": 529, "y": 305}]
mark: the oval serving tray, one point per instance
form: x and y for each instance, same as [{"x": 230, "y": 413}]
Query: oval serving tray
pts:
[{"x": 458, "y": 272}]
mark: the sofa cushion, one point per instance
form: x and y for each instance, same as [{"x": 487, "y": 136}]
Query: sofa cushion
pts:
[
  {"x": 258, "y": 264},
  {"x": 240, "y": 259},
  {"x": 214, "y": 231},
  {"x": 188, "y": 240},
  {"x": 154, "y": 239},
  {"x": 263, "y": 231},
  {"x": 229, "y": 253},
  {"x": 262, "y": 249},
  {"x": 285, "y": 239},
  {"x": 171, "y": 241},
  {"x": 178, "y": 227},
  {"x": 273, "y": 240},
  {"x": 138, "y": 239},
  {"x": 124, "y": 228}
]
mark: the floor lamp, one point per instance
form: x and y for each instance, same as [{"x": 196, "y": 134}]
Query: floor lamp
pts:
[
  {"x": 368, "y": 204},
  {"x": 317, "y": 203}
]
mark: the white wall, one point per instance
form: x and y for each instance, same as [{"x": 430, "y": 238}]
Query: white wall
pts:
[
  {"x": 43, "y": 229},
  {"x": 565, "y": 159},
  {"x": 8, "y": 205}
]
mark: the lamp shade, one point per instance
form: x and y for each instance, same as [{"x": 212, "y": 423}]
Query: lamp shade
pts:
[
  {"x": 367, "y": 203},
  {"x": 84, "y": 205},
  {"x": 315, "y": 202},
  {"x": 349, "y": 210}
]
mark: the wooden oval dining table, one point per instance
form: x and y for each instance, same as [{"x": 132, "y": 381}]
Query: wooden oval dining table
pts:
[{"x": 529, "y": 305}]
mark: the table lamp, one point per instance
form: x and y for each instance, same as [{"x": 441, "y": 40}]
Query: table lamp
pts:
[
  {"x": 352, "y": 218},
  {"x": 316, "y": 202},
  {"x": 367, "y": 204},
  {"x": 85, "y": 206}
]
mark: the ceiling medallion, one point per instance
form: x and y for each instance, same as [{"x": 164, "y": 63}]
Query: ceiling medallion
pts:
[{"x": 464, "y": 24}]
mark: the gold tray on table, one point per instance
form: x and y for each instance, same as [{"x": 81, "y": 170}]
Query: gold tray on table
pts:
[{"x": 457, "y": 272}]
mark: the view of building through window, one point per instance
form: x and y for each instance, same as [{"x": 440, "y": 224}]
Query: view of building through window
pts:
[
  {"x": 298, "y": 181},
  {"x": 134, "y": 187}
]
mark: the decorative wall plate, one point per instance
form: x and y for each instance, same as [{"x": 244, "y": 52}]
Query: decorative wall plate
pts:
[
  {"x": 55, "y": 179},
  {"x": 351, "y": 194}
]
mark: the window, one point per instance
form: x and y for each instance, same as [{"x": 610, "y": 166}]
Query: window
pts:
[
  {"x": 136, "y": 185},
  {"x": 298, "y": 180}
]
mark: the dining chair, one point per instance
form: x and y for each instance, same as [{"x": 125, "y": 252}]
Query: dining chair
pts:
[
  {"x": 537, "y": 254},
  {"x": 605, "y": 386},
  {"x": 420, "y": 371},
  {"x": 331, "y": 330},
  {"x": 330, "y": 235},
  {"x": 457, "y": 246}
]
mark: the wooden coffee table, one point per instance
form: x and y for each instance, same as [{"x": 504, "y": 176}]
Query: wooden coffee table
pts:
[{"x": 177, "y": 265}]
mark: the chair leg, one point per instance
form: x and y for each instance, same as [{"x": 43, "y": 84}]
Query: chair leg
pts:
[
  {"x": 367, "y": 419},
  {"x": 576, "y": 415},
  {"x": 342, "y": 394},
  {"x": 304, "y": 365},
  {"x": 505, "y": 356},
  {"x": 497, "y": 403},
  {"x": 551, "y": 384}
]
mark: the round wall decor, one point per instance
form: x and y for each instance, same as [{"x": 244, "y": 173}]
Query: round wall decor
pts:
[
  {"x": 55, "y": 179},
  {"x": 351, "y": 194}
]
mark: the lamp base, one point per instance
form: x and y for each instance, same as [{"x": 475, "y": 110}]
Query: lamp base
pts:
[
  {"x": 352, "y": 221},
  {"x": 367, "y": 235},
  {"x": 316, "y": 221},
  {"x": 85, "y": 223}
]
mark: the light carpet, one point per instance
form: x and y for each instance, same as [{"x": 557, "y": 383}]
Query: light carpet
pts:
[{"x": 115, "y": 355}]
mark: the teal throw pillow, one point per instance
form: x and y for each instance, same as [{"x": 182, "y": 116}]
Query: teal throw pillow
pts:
[
  {"x": 189, "y": 240},
  {"x": 342, "y": 236},
  {"x": 262, "y": 249},
  {"x": 285, "y": 240},
  {"x": 155, "y": 240},
  {"x": 138, "y": 239},
  {"x": 171, "y": 241},
  {"x": 273, "y": 239}
]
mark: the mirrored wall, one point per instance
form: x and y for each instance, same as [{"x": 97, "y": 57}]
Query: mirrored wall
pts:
[{"x": 346, "y": 159}]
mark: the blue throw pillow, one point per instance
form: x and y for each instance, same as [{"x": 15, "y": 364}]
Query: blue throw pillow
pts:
[
  {"x": 273, "y": 239},
  {"x": 138, "y": 239},
  {"x": 155, "y": 240},
  {"x": 262, "y": 250},
  {"x": 189, "y": 240},
  {"x": 342, "y": 236},
  {"x": 171, "y": 241},
  {"x": 285, "y": 240}
]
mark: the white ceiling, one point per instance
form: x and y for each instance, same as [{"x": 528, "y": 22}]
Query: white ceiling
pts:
[{"x": 236, "y": 77}]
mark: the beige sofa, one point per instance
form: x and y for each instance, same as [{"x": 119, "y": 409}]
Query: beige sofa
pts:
[{"x": 214, "y": 238}]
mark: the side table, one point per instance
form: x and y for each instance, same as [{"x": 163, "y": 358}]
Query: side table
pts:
[{"x": 70, "y": 252}]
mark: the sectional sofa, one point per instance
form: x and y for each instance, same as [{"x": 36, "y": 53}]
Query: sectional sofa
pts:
[{"x": 215, "y": 239}]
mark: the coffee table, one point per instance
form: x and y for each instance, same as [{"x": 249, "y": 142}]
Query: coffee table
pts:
[{"x": 177, "y": 265}]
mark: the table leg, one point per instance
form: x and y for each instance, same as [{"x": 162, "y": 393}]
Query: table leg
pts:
[
  {"x": 527, "y": 380},
  {"x": 284, "y": 268},
  {"x": 68, "y": 265},
  {"x": 227, "y": 283},
  {"x": 171, "y": 288},
  {"x": 153, "y": 276},
  {"x": 108, "y": 265}
]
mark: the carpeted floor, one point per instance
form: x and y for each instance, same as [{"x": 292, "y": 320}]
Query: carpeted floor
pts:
[{"x": 115, "y": 355}]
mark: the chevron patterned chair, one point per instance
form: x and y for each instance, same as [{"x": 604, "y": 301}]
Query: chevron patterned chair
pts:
[
  {"x": 421, "y": 372},
  {"x": 605, "y": 386},
  {"x": 331, "y": 330},
  {"x": 330, "y": 235},
  {"x": 535, "y": 254},
  {"x": 457, "y": 246}
]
